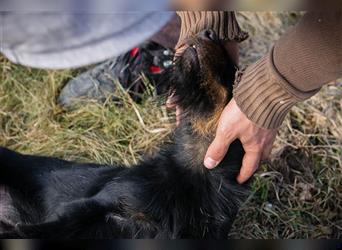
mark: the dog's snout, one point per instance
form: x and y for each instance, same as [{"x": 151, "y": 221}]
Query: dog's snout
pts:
[{"x": 209, "y": 34}]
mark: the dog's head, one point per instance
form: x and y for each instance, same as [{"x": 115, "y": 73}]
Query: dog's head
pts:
[{"x": 201, "y": 81}]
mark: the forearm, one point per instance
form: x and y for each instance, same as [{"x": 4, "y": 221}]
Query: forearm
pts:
[
  {"x": 310, "y": 55},
  {"x": 304, "y": 59}
]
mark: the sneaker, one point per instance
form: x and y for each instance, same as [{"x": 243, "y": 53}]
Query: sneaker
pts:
[{"x": 149, "y": 60}]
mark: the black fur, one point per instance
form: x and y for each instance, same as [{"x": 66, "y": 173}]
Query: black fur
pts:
[{"x": 170, "y": 195}]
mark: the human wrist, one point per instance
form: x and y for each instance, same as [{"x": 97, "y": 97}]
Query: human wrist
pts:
[
  {"x": 264, "y": 96},
  {"x": 223, "y": 23}
]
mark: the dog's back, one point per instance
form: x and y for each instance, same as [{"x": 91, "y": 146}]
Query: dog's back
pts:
[{"x": 170, "y": 195}]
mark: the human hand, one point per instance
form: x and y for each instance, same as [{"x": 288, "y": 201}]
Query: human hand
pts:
[
  {"x": 171, "y": 104},
  {"x": 257, "y": 142}
]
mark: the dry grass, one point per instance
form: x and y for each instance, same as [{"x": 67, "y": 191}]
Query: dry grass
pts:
[{"x": 297, "y": 195}]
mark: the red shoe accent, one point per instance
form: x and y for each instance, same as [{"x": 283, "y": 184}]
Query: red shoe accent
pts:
[
  {"x": 155, "y": 69},
  {"x": 134, "y": 52}
]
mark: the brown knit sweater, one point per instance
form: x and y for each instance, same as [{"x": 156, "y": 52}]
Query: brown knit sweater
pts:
[{"x": 301, "y": 61}]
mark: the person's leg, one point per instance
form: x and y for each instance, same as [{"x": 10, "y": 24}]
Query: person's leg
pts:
[
  {"x": 168, "y": 36},
  {"x": 149, "y": 59},
  {"x": 70, "y": 40}
]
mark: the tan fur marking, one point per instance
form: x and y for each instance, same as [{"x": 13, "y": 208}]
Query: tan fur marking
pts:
[
  {"x": 139, "y": 216},
  {"x": 207, "y": 125},
  {"x": 208, "y": 54}
]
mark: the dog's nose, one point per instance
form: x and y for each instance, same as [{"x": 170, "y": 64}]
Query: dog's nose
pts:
[{"x": 209, "y": 34}]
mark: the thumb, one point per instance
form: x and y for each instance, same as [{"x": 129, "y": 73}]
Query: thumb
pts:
[{"x": 217, "y": 150}]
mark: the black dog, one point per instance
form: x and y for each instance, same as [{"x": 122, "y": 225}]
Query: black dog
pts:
[{"x": 170, "y": 195}]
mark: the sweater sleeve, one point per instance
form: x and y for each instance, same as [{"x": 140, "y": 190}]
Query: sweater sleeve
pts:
[
  {"x": 224, "y": 23},
  {"x": 303, "y": 60}
]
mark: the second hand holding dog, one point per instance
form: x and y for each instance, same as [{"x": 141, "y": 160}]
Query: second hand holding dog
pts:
[
  {"x": 257, "y": 142},
  {"x": 233, "y": 124}
]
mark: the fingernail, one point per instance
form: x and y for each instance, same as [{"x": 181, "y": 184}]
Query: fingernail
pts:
[
  {"x": 210, "y": 163},
  {"x": 239, "y": 179}
]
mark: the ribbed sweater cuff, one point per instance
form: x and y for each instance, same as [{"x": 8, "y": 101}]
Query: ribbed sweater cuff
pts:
[
  {"x": 264, "y": 96},
  {"x": 223, "y": 23}
]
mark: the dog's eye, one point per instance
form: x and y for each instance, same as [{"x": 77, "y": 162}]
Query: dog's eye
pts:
[{"x": 194, "y": 46}]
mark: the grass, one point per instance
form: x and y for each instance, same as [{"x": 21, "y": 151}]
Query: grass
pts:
[{"x": 296, "y": 194}]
